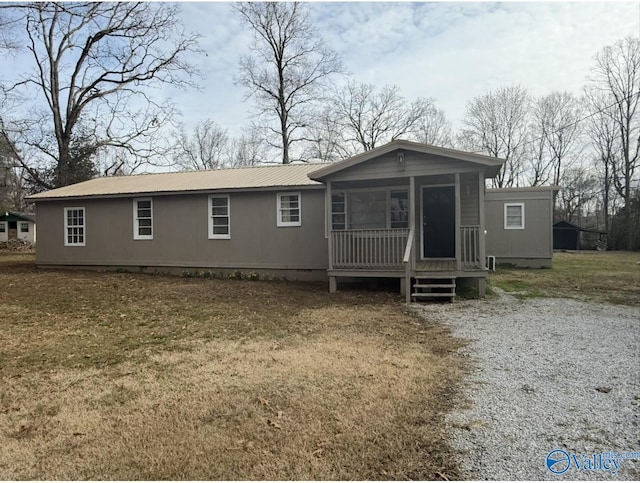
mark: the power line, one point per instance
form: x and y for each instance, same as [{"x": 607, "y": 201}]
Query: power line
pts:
[{"x": 588, "y": 116}]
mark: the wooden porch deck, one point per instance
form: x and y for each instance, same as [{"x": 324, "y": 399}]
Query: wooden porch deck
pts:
[{"x": 435, "y": 265}]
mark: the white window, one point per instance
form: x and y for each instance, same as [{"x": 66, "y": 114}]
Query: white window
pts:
[
  {"x": 24, "y": 227},
  {"x": 514, "y": 216},
  {"x": 3, "y": 227},
  {"x": 338, "y": 211},
  {"x": 143, "y": 219},
  {"x": 219, "y": 217},
  {"x": 289, "y": 209},
  {"x": 74, "y": 227},
  {"x": 399, "y": 209}
]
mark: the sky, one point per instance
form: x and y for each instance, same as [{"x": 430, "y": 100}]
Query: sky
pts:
[{"x": 448, "y": 51}]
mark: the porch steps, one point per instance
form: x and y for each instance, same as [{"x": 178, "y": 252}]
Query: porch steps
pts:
[{"x": 430, "y": 287}]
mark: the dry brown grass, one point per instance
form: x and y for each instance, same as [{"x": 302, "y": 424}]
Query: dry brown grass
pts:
[
  {"x": 599, "y": 276},
  {"x": 120, "y": 376}
]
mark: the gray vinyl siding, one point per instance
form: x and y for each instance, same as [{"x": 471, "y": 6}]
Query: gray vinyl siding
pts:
[
  {"x": 180, "y": 233},
  {"x": 535, "y": 241},
  {"x": 415, "y": 164}
]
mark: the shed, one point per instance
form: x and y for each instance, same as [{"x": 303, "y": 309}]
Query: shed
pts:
[{"x": 567, "y": 236}]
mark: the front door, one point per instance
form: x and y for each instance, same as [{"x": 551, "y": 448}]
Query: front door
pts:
[
  {"x": 438, "y": 222},
  {"x": 13, "y": 230}
]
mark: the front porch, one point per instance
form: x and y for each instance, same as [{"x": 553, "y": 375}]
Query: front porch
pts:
[
  {"x": 409, "y": 211},
  {"x": 390, "y": 253}
]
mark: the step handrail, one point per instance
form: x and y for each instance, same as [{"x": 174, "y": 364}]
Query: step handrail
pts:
[
  {"x": 407, "y": 266},
  {"x": 407, "y": 249}
]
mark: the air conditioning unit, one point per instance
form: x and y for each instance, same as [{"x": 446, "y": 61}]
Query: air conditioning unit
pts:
[{"x": 491, "y": 263}]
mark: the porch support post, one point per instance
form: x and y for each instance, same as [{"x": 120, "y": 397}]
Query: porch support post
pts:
[
  {"x": 333, "y": 285},
  {"x": 412, "y": 230},
  {"x": 457, "y": 237},
  {"x": 328, "y": 224},
  {"x": 413, "y": 222},
  {"x": 481, "y": 209}
]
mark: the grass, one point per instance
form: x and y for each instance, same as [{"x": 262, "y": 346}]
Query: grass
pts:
[
  {"x": 129, "y": 376},
  {"x": 612, "y": 277}
]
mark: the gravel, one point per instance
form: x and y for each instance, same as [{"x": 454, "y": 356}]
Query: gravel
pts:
[{"x": 547, "y": 374}]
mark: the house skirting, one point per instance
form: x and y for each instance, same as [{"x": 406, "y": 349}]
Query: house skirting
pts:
[
  {"x": 302, "y": 275},
  {"x": 525, "y": 262}
]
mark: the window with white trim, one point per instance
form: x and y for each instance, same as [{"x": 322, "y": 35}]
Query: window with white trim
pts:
[
  {"x": 338, "y": 211},
  {"x": 219, "y": 217},
  {"x": 289, "y": 209},
  {"x": 74, "y": 227},
  {"x": 399, "y": 209},
  {"x": 3, "y": 227},
  {"x": 514, "y": 216},
  {"x": 143, "y": 219},
  {"x": 24, "y": 227}
]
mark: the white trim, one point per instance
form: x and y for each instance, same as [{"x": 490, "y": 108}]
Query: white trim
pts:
[
  {"x": 279, "y": 221},
  {"x": 522, "y": 225},
  {"x": 345, "y": 212},
  {"x": 136, "y": 220},
  {"x": 210, "y": 234},
  {"x": 67, "y": 243}
]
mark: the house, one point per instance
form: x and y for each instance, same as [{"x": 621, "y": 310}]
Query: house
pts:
[
  {"x": 567, "y": 236},
  {"x": 405, "y": 210},
  {"x": 20, "y": 226}
]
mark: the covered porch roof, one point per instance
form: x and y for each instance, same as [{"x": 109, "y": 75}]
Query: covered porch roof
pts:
[{"x": 420, "y": 157}]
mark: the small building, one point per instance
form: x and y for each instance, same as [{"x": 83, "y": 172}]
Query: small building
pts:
[
  {"x": 405, "y": 210},
  {"x": 519, "y": 226},
  {"x": 567, "y": 236},
  {"x": 20, "y": 226}
]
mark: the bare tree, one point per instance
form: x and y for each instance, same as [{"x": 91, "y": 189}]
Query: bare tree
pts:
[
  {"x": 247, "y": 150},
  {"x": 556, "y": 131},
  {"x": 325, "y": 140},
  {"x": 496, "y": 124},
  {"x": 370, "y": 117},
  {"x": 94, "y": 64},
  {"x": 579, "y": 189},
  {"x": 434, "y": 128},
  {"x": 205, "y": 148},
  {"x": 616, "y": 75},
  {"x": 286, "y": 68},
  {"x": 602, "y": 131}
]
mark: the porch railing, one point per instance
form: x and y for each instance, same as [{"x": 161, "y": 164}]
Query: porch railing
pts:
[
  {"x": 374, "y": 249},
  {"x": 470, "y": 246},
  {"x": 387, "y": 249}
]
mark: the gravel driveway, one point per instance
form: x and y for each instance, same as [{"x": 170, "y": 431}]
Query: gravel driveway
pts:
[{"x": 548, "y": 374}]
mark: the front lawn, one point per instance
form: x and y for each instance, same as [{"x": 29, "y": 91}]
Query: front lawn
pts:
[{"x": 123, "y": 376}]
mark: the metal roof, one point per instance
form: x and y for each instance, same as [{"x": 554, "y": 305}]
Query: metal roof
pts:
[{"x": 276, "y": 176}]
